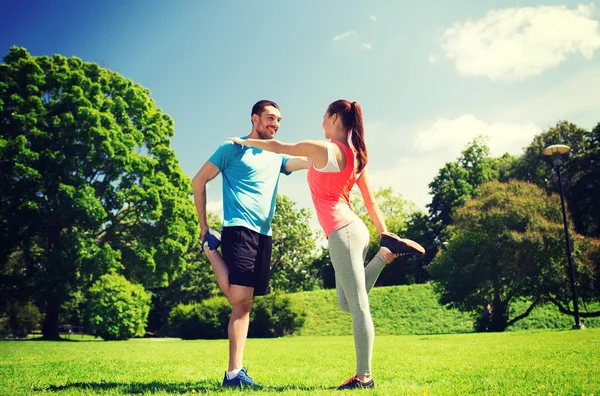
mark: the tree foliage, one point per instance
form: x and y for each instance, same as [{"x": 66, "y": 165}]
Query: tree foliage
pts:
[
  {"x": 457, "y": 181},
  {"x": 508, "y": 244},
  {"x": 581, "y": 169},
  {"x": 118, "y": 309},
  {"x": 294, "y": 248},
  {"x": 89, "y": 182}
]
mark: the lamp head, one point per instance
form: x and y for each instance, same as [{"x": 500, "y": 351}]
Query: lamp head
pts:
[{"x": 555, "y": 151}]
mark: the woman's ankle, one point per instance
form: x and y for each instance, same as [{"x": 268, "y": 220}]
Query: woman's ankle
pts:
[
  {"x": 387, "y": 255},
  {"x": 363, "y": 378}
]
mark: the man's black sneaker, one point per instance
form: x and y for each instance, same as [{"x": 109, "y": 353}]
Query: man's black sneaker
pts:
[{"x": 355, "y": 383}]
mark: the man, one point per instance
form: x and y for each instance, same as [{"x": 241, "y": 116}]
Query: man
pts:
[{"x": 250, "y": 179}]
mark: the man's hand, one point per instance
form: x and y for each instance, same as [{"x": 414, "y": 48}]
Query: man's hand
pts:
[{"x": 203, "y": 232}]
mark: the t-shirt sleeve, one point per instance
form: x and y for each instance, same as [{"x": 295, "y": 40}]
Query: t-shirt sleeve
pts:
[
  {"x": 224, "y": 154},
  {"x": 284, "y": 160}
]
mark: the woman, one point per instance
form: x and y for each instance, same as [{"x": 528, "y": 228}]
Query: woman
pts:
[{"x": 337, "y": 165}]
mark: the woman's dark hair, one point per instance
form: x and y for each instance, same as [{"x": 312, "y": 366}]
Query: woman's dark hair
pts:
[{"x": 351, "y": 115}]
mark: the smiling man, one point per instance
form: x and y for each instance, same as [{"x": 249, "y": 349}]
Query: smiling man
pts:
[{"x": 250, "y": 179}]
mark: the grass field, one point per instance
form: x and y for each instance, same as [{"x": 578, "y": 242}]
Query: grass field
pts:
[
  {"x": 404, "y": 310},
  {"x": 515, "y": 363}
]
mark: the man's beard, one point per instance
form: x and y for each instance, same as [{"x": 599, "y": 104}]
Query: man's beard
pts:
[{"x": 263, "y": 132}]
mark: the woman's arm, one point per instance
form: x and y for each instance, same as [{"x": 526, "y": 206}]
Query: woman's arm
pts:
[
  {"x": 364, "y": 186},
  {"x": 313, "y": 149},
  {"x": 296, "y": 163}
]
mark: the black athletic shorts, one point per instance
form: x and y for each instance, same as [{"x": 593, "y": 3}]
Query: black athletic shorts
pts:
[{"x": 247, "y": 255}]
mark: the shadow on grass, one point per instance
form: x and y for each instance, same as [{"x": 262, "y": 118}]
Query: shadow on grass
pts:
[
  {"x": 207, "y": 386},
  {"x": 40, "y": 339}
]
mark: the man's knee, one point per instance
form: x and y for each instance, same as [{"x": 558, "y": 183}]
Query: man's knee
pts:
[
  {"x": 238, "y": 300},
  {"x": 240, "y": 295}
]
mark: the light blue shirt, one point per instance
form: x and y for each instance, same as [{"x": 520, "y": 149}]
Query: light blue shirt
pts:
[{"x": 250, "y": 179}]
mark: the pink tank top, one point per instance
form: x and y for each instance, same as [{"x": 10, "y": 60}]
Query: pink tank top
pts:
[{"x": 330, "y": 193}]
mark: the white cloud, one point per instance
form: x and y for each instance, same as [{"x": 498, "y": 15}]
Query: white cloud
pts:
[
  {"x": 353, "y": 37},
  {"x": 452, "y": 135},
  {"x": 344, "y": 35},
  {"x": 432, "y": 59},
  {"x": 435, "y": 144},
  {"x": 517, "y": 43}
]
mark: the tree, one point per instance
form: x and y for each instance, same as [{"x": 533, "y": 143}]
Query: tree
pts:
[
  {"x": 89, "y": 182},
  {"x": 581, "y": 168},
  {"x": 394, "y": 208},
  {"x": 508, "y": 244},
  {"x": 457, "y": 181},
  {"x": 324, "y": 269},
  {"x": 398, "y": 214},
  {"x": 584, "y": 203},
  {"x": 413, "y": 269},
  {"x": 293, "y": 248},
  {"x": 195, "y": 284},
  {"x": 118, "y": 309}
]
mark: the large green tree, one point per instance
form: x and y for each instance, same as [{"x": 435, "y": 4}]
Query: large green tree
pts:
[
  {"x": 508, "y": 244},
  {"x": 195, "y": 284},
  {"x": 294, "y": 248},
  {"x": 581, "y": 169},
  {"x": 456, "y": 182},
  {"x": 88, "y": 180},
  {"x": 395, "y": 209}
]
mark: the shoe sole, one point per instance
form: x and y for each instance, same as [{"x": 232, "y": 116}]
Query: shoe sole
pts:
[{"x": 398, "y": 245}]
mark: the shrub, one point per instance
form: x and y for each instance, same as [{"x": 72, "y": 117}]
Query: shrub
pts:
[
  {"x": 271, "y": 316},
  {"x": 118, "y": 309},
  {"x": 21, "y": 319},
  {"x": 207, "y": 319},
  {"x": 274, "y": 316}
]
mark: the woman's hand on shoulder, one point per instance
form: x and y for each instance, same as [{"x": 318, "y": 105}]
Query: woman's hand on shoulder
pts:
[{"x": 237, "y": 140}]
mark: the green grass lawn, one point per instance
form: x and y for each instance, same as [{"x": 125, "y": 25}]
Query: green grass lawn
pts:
[
  {"x": 514, "y": 363},
  {"x": 413, "y": 309}
]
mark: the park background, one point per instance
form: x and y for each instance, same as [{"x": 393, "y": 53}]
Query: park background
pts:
[{"x": 108, "y": 109}]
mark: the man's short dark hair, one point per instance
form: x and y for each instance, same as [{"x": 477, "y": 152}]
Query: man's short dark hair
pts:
[{"x": 259, "y": 106}]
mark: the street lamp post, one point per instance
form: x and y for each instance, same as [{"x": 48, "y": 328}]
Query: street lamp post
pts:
[{"x": 555, "y": 151}]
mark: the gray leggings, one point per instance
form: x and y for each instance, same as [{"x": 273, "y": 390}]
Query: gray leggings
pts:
[{"x": 347, "y": 249}]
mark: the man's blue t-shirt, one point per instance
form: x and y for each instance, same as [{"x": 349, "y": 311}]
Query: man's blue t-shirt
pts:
[{"x": 250, "y": 179}]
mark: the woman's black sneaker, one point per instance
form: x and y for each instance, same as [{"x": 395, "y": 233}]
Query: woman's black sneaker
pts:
[
  {"x": 355, "y": 383},
  {"x": 398, "y": 245}
]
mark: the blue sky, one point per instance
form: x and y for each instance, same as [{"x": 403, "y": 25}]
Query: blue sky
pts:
[{"x": 430, "y": 75}]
